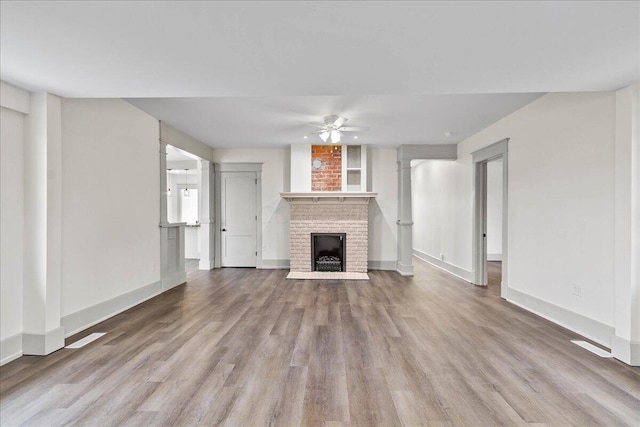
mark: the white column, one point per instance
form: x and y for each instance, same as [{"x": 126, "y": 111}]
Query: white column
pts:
[
  {"x": 163, "y": 183},
  {"x": 206, "y": 216},
  {"x": 42, "y": 226},
  {"x": 172, "y": 272},
  {"x": 625, "y": 344},
  {"x": 405, "y": 220}
]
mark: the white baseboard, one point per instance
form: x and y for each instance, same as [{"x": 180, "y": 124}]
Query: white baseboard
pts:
[
  {"x": 404, "y": 269},
  {"x": 626, "y": 351},
  {"x": 284, "y": 264},
  {"x": 174, "y": 280},
  {"x": 443, "y": 265},
  {"x": 41, "y": 344},
  {"x": 585, "y": 326},
  {"x": 275, "y": 264},
  {"x": 205, "y": 265},
  {"x": 85, "y": 318},
  {"x": 382, "y": 265},
  {"x": 10, "y": 348},
  {"x": 494, "y": 257}
]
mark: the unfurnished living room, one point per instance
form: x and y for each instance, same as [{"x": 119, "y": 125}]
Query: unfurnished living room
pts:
[{"x": 306, "y": 213}]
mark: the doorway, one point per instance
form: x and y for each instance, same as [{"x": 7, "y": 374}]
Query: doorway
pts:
[
  {"x": 184, "y": 201},
  {"x": 485, "y": 160},
  {"x": 238, "y": 201}
]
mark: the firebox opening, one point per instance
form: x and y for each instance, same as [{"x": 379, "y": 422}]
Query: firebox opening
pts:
[{"x": 328, "y": 251}]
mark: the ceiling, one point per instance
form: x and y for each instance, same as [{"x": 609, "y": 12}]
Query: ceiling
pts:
[
  {"x": 246, "y": 73},
  {"x": 280, "y": 121}
]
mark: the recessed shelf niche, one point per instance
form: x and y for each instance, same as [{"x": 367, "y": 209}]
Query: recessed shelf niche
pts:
[{"x": 354, "y": 170}]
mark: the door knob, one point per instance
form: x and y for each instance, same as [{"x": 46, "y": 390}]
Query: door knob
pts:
[{"x": 224, "y": 229}]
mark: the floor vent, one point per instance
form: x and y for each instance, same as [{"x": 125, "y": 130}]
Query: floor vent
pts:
[
  {"x": 86, "y": 340},
  {"x": 592, "y": 348}
]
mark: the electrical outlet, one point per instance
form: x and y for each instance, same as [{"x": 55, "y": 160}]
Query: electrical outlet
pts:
[
  {"x": 441, "y": 256},
  {"x": 577, "y": 290}
]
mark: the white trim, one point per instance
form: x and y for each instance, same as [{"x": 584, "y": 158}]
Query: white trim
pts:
[
  {"x": 86, "y": 340},
  {"x": 457, "y": 271},
  {"x": 14, "y": 98},
  {"x": 219, "y": 168},
  {"x": 10, "y": 348},
  {"x": 582, "y": 325},
  {"x": 284, "y": 264},
  {"x": 404, "y": 269},
  {"x": 494, "y": 257},
  {"x": 490, "y": 152},
  {"x": 90, "y": 316},
  {"x": 592, "y": 348},
  {"x": 626, "y": 351},
  {"x": 480, "y": 157},
  {"x": 176, "y": 279},
  {"x": 275, "y": 264},
  {"x": 178, "y": 139},
  {"x": 38, "y": 344},
  {"x": 382, "y": 265}
]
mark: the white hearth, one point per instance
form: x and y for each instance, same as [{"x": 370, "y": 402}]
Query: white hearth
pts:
[{"x": 329, "y": 212}]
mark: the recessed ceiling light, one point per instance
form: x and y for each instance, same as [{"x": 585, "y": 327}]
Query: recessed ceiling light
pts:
[
  {"x": 355, "y": 136},
  {"x": 305, "y": 137},
  {"x": 449, "y": 133}
]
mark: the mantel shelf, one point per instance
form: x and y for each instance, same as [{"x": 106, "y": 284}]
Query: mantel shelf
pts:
[{"x": 329, "y": 196}]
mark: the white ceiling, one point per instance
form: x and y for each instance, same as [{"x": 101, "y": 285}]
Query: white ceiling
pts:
[
  {"x": 353, "y": 54},
  {"x": 279, "y": 121}
]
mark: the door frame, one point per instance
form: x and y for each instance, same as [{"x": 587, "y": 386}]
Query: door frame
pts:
[
  {"x": 237, "y": 167},
  {"x": 480, "y": 158}
]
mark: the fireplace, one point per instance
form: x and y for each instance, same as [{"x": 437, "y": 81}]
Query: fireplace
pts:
[
  {"x": 328, "y": 251},
  {"x": 330, "y": 213}
]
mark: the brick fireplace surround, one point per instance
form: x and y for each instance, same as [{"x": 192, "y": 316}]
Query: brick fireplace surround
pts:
[{"x": 329, "y": 212}]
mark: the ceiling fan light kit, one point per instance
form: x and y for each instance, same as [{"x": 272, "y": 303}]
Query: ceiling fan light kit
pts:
[{"x": 332, "y": 129}]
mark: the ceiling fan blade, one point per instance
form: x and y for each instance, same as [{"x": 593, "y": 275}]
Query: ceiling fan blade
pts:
[
  {"x": 352, "y": 129},
  {"x": 340, "y": 121}
]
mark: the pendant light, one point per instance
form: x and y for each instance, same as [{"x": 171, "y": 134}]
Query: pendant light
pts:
[{"x": 186, "y": 184}]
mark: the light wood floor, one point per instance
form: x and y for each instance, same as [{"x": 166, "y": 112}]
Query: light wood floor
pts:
[{"x": 245, "y": 347}]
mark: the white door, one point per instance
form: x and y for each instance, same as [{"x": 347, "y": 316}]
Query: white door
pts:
[{"x": 238, "y": 219}]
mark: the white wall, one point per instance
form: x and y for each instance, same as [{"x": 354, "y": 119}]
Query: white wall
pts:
[
  {"x": 275, "y": 210},
  {"x": 494, "y": 210},
  {"x": 383, "y": 210},
  {"x": 561, "y": 219},
  {"x": 111, "y": 206},
  {"x": 300, "y": 168},
  {"x": 441, "y": 205},
  {"x": 11, "y": 222}
]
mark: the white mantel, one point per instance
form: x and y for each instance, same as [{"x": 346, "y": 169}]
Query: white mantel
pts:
[{"x": 329, "y": 197}]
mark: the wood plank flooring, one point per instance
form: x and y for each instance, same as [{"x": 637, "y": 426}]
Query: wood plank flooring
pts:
[{"x": 245, "y": 347}]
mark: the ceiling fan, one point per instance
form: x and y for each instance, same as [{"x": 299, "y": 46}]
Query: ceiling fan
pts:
[{"x": 333, "y": 127}]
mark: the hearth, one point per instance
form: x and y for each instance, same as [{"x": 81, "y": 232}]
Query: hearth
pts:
[{"x": 328, "y": 251}]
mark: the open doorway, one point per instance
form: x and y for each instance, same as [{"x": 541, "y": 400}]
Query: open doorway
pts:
[
  {"x": 490, "y": 169},
  {"x": 494, "y": 224},
  {"x": 183, "y": 200}
]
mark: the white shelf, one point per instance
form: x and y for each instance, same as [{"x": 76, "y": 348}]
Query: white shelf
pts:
[{"x": 354, "y": 171}]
